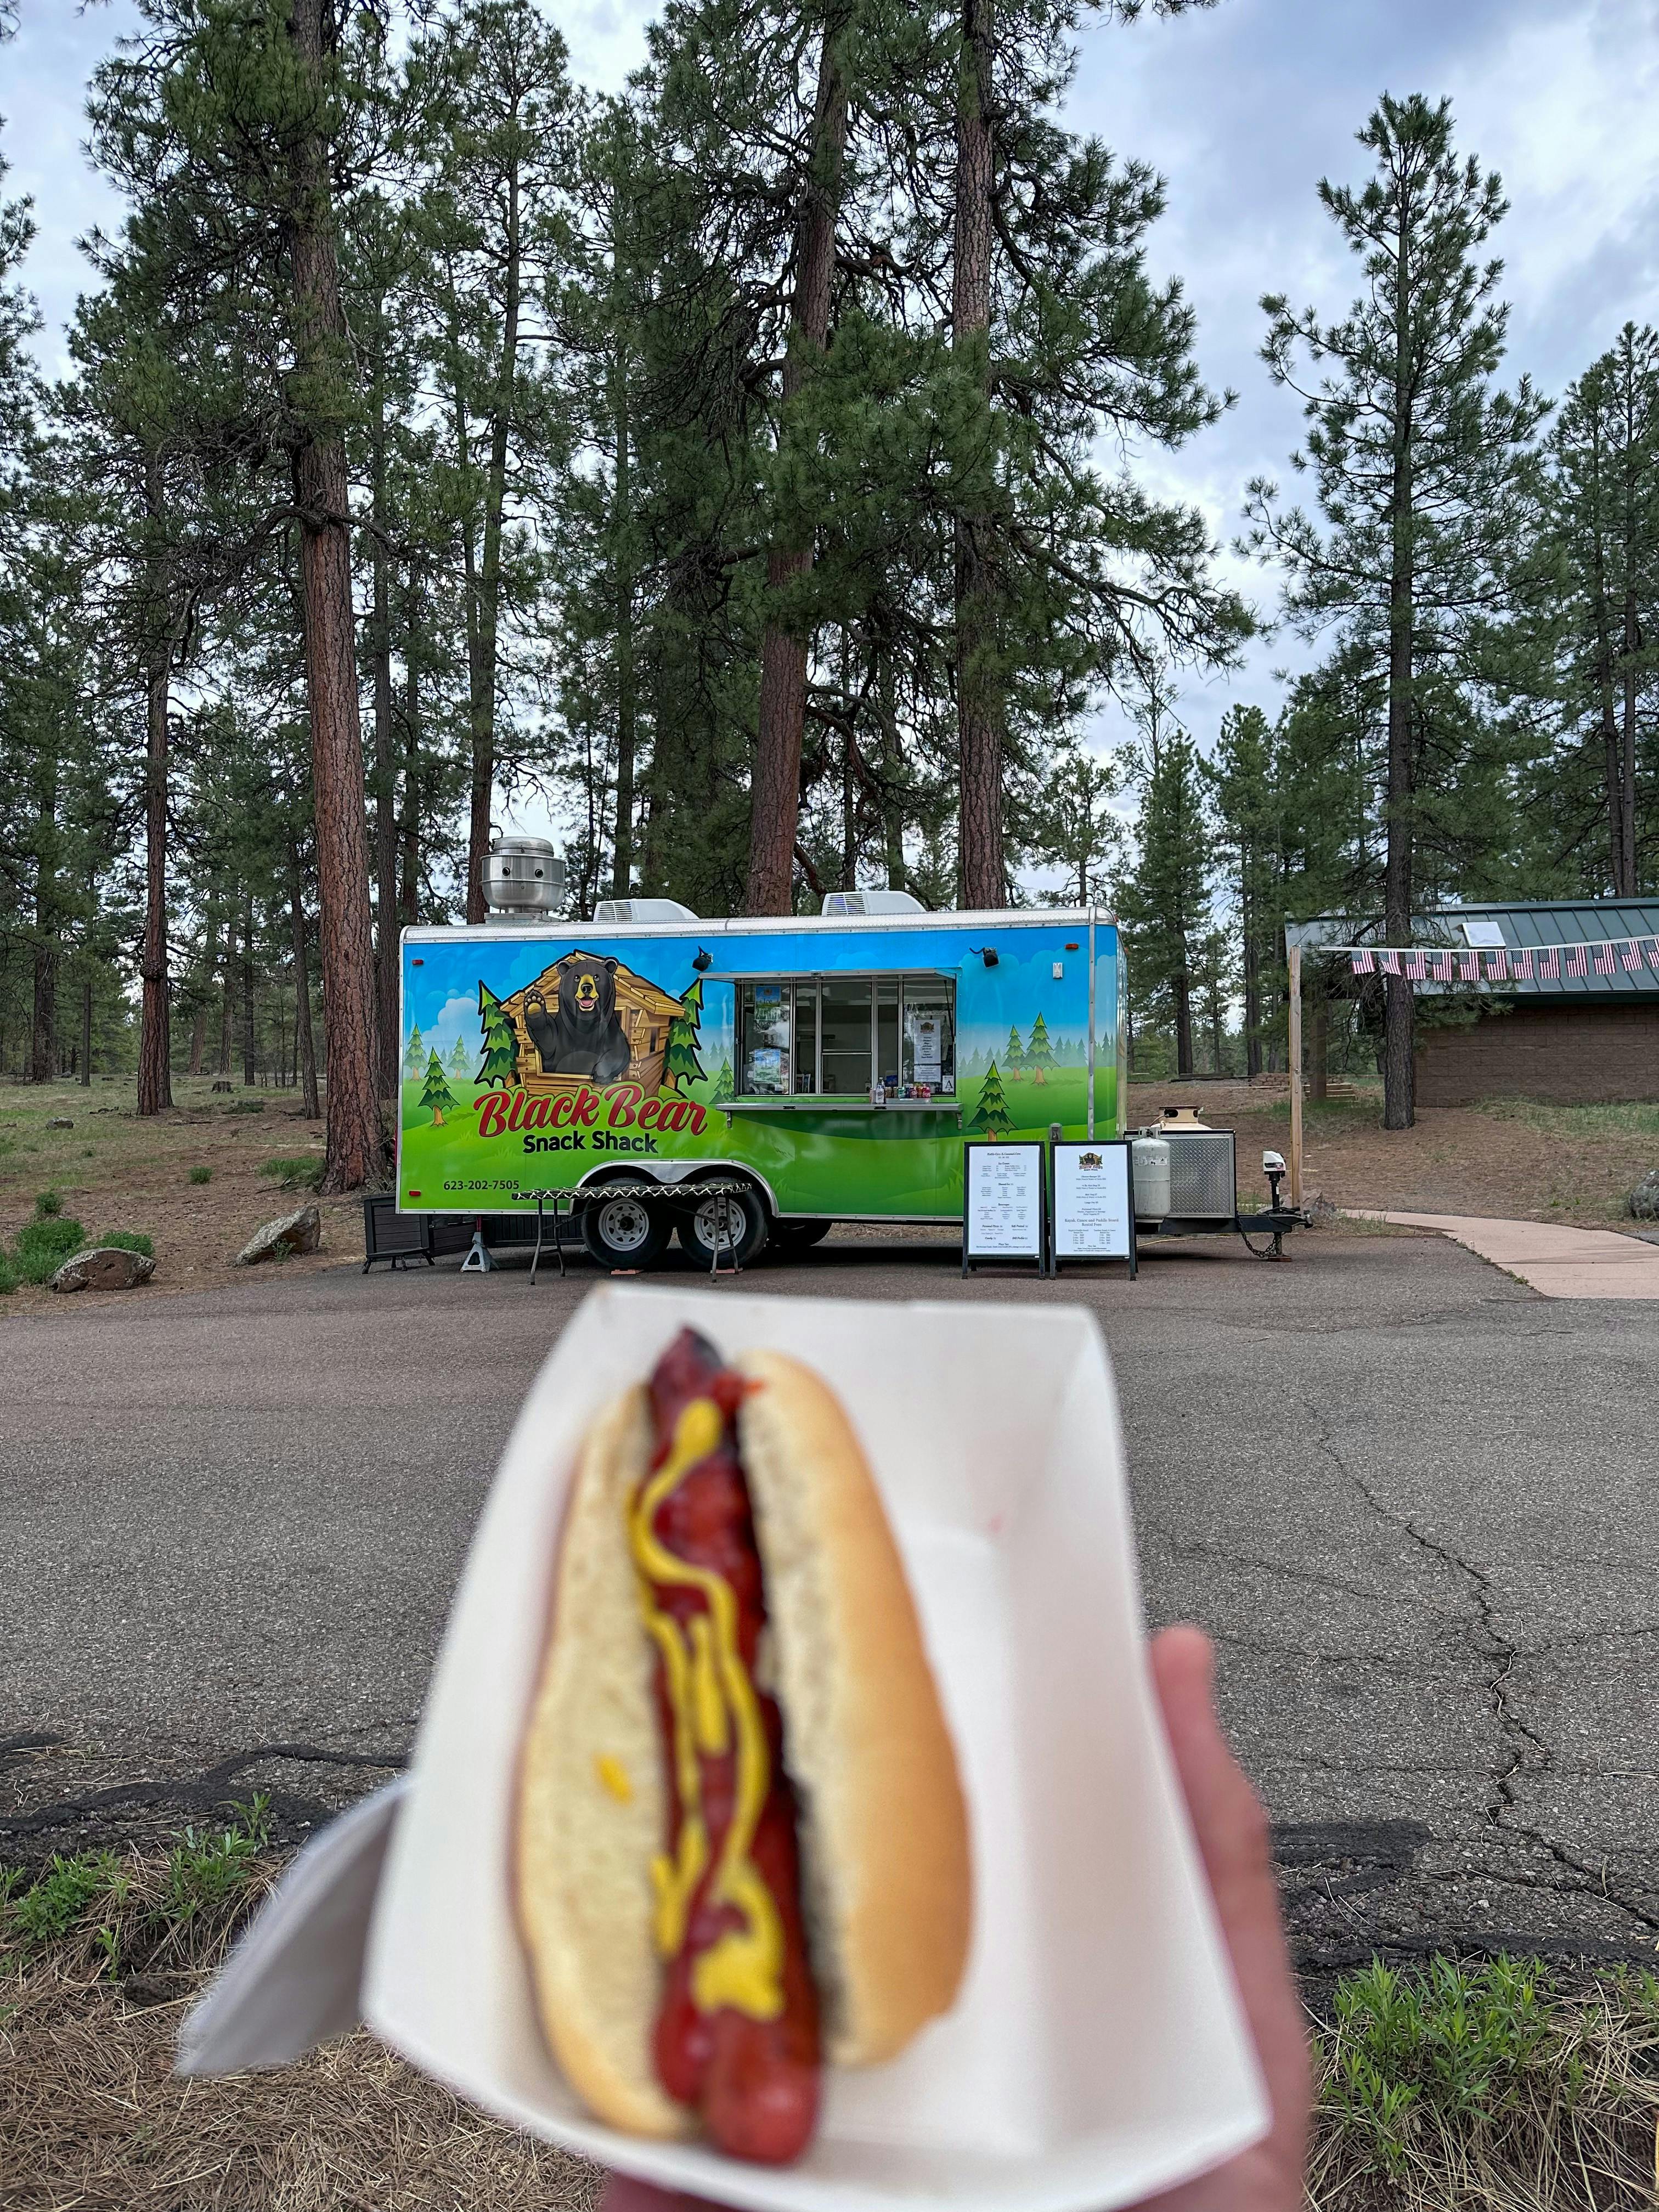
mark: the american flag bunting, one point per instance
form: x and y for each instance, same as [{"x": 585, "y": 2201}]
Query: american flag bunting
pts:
[
  {"x": 1632, "y": 955},
  {"x": 1469, "y": 967},
  {"x": 1521, "y": 963},
  {"x": 1498, "y": 966},
  {"x": 1604, "y": 959},
  {"x": 1390, "y": 962},
  {"x": 1364, "y": 964},
  {"x": 1549, "y": 963},
  {"x": 1417, "y": 967},
  {"x": 1577, "y": 960},
  {"x": 1443, "y": 966}
]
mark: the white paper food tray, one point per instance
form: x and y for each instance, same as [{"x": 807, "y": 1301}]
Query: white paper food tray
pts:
[{"x": 1096, "y": 2053}]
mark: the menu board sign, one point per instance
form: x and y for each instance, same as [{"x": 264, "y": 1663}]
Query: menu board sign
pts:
[
  {"x": 1094, "y": 1202},
  {"x": 1002, "y": 1203}
]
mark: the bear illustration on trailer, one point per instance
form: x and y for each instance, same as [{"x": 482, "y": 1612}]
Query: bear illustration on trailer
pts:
[{"x": 582, "y": 1034}]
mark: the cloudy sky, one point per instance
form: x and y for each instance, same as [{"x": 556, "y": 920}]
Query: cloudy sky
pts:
[{"x": 1242, "y": 108}]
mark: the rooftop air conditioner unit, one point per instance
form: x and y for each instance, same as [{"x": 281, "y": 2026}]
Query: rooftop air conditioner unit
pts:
[
  {"x": 642, "y": 909},
  {"x": 877, "y": 901}
]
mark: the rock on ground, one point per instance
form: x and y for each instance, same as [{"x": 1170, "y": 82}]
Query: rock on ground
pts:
[
  {"x": 300, "y": 1231},
  {"x": 1644, "y": 1200},
  {"x": 104, "y": 1268},
  {"x": 60, "y": 1122}
]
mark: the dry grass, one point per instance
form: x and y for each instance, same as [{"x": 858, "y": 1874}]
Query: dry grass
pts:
[
  {"x": 1494, "y": 2088},
  {"x": 1501, "y": 2088},
  {"x": 113, "y": 1170},
  {"x": 107, "y": 1957}
]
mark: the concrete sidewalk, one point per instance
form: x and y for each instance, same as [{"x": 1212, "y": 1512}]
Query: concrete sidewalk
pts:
[{"x": 1556, "y": 1262}]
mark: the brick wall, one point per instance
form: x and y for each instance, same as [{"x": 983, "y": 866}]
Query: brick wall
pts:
[{"x": 1573, "y": 1053}]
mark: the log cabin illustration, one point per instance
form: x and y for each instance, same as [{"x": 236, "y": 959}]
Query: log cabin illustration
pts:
[{"x": 644, "y": 1010}]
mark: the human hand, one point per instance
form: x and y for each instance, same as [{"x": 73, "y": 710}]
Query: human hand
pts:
[{"x": 1232, "y": 1830}]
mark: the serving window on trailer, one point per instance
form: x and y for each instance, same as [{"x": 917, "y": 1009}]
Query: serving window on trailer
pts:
[{"x": 839, "y": 1035}]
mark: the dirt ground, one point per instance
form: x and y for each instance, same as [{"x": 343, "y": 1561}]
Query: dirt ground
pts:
[
  {"x": 1511, "y": 1159},
  {"x": 115, "y": 1171}
]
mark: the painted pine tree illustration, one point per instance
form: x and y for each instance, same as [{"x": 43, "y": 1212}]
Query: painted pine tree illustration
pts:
[
  {"x": 1039, "y": 1053},
  {"x": 1013, "y": 1057},
  {"x": 435, "y": 1093},
  {"x": 992, "y": 1112},
  {"x": 501, "y": 1040},
  {"x": 680, "y": 1066},
  {"x": 460, "y": 1059},
  {"x": 415, "y": 1058},
  {"x": 723, "y": 1087}
]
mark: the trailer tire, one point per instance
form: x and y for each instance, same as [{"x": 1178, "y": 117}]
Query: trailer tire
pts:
[
  {"x": 697, "y": 1229},
  {"x": 625, "y": 1232}
]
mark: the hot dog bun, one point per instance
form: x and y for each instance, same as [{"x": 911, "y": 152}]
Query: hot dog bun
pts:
[{"x": 883, "y": 1829}]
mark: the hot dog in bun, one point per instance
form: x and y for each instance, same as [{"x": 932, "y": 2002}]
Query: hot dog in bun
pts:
[{"x": 741, "y": 1845}]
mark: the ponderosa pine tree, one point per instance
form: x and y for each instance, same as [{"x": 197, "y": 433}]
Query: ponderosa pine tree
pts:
[
  {"x": 1164, "y": 904},
  {"x": 494, "y": 79},
  {"x": 1059, "y": 336},
  {"x": 1423, "y": 470},
  {"x": 1601, "y": 538}
]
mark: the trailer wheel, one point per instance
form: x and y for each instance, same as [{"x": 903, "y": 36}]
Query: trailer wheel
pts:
[
  {"x": 624, "y": 1232},
  {"x": 797, "y": 1236},
  {"x": 699, "y": 1234}
]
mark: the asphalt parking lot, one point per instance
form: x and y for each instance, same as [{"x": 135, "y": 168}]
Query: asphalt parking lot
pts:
[{"x": 1407, "y": 1496}]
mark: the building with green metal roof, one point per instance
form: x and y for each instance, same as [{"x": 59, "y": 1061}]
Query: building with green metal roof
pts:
[{"x": 1570, "y": 1038}]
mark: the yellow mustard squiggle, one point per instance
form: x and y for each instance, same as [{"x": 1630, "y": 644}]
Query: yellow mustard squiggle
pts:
[{"x": 713, "y": 1701}]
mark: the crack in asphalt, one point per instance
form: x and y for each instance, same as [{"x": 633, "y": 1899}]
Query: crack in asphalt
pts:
[
  {"x": 205, "y": 1790},
  {"x": 1500, "y": 1653}
]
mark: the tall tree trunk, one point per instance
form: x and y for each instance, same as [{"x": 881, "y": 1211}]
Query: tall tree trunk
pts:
[
  {"x": 249, "y": 1068},
  {"x": 154, "y": 1039},
  {"x": 1183, "y": 1013},
  {"x": 1319, "y": 1042},
  {"x": 1399, "y": 1006},
  {"x": 86, "y": 1033},
  {"x": 386, "y": 774},
  {"x": 1624, "y": 880},
  {"x": 1611, "y": 763},
  {"x": 483, "y": 633},
  {"x": 979, "y": 702},
  {"x": 774, "y": 789},
  {"x": 1625, "y": 885},
  {"x": 43, "y": 1043},
  {"x": 355, "y": 1144},
  {"x": 1252, "y": 977},
  {"x": 892, "y": 771},
  {"x": 621, "y": 871},
  {"x": 409, "y": 885},
  {"x": 305, "y": 1043},
  {"x": 227, "y": 989}
]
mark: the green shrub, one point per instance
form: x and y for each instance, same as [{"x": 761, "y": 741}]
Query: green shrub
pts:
[
  {"x": 293, "y": 1175},
  {"x": 247, "y": 1106},
  {"x": 42, "y": 1247},
  {"x": 62, "y": 1896},
  {"x": 48, "y": 1203},
  {"x": 130, "y": 1240},
  {"x": 7, "y": 1276},
  {"x": 201, "y": 1174}
]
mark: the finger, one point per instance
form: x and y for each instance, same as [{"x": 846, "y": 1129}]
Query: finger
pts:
[{"x": 1234, "y": 1842}]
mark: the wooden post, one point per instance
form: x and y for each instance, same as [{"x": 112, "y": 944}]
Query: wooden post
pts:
[{"x": 1294, "y": 1055}]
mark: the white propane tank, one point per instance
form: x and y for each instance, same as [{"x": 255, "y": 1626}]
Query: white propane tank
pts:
[{"x": 1151, "y": 1172}]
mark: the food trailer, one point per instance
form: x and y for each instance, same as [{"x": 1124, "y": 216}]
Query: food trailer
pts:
[{"x": 727, "y": 1080}]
